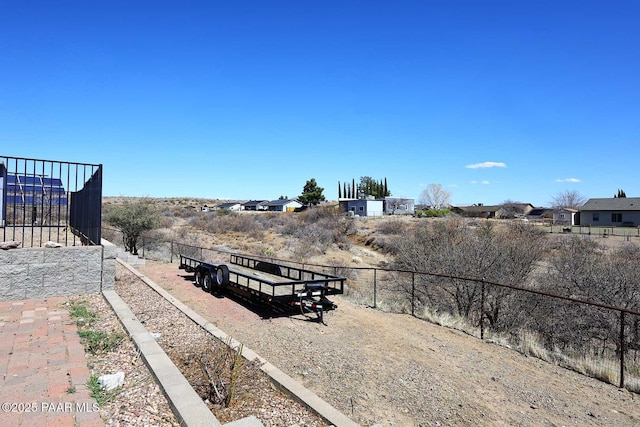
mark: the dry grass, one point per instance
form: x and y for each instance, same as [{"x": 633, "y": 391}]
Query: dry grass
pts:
[{"x": 288, "y": 236}]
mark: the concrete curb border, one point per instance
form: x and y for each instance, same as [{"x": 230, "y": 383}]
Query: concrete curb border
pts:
[
  {"x": 282, "y": 380},
  {"x": 185, "y": 402}
]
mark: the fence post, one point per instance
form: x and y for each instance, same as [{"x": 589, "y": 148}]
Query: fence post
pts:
[
  {"x": 622, "y": 348},
  {"x": 413, "y": 294},
  {"x": 144, "y": 243},
  {"x": 171, "y": 252},
  {"x": 375, "y": 287},
  {"x": 482, "y": 312}
]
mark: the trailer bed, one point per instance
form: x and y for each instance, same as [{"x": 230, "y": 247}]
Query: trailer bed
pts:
[{"x": 270, "y": 282}]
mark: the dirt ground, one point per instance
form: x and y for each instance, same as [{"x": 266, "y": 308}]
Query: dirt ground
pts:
[{"x": 396, "y": 370}]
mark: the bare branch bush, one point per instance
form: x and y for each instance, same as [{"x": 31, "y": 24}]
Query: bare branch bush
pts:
[
  {"x": 451, "y": 248},
  {"x": 225, "y": 222},
  {"x": 392, "y": 227},
  {"x": 315, "y": 230},
  {"x": 582, "y": 268},
  {"x": 216, "y": 371}
]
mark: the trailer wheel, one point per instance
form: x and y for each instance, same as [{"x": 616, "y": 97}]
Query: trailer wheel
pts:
[
  {"x": 197, "y": 277},
  {"x": 207, "y": 283},
  {"x": 222, "y": 275}
]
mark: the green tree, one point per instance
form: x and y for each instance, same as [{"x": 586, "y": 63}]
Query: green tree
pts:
[
  {"x": 312, "y": 193},
  {"x": 621, "y": 193},
  {"x": 132, "y": 219},
  {"x": 370, "y": 187}
]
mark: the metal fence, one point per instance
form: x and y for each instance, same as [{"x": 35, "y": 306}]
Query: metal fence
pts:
[
  {"x": 597, "y": 340},
  {"x": 597, "y": 231},
  {"x": 48, "y": 200}
]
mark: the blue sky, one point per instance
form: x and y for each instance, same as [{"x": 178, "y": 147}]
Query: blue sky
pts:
[{"x": 494, "y": 100}]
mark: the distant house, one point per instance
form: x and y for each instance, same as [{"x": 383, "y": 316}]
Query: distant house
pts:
[
  {"x": 566, "y": 216},
  {"x": 494, "y": 211},
  {"x": 288, "y": 205},
  {"x": 255, "y": 205},
  {"x": 231, "y": 206},
  {"x": 362, "y": 207},
  {"x": 399, "y": 206},
  {"x": 476, "y": 211},
  {"x": 514, "y": 210},
  {"x": 540, "y": 215},
  {"x": 616, "y": 211}
]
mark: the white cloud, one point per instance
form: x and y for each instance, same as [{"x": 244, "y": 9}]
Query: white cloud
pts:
[
  {"x": 486, "y": 165},
  {"x": 485, "y": 182},
  {"x": 568, "y": 180},
  {"x": 473, "y": 182}
]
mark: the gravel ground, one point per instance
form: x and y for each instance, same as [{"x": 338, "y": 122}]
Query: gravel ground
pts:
[
  {"x": 203, "y": 359},
  {"x": 400, "y": 371},
  {"x": 139, "y": 402},
  {"x": 375, "y": 367}
]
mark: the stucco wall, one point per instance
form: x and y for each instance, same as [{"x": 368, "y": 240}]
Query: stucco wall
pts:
[
  {"x": 632, "y": 217},
  {"x": 31, "y": 273}
]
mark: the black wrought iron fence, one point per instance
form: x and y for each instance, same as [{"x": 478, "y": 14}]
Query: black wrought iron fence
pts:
[
  {"x": 598, "y": 340},
  {"x": 48, "y": 200},
  {"x": 598, "y": 231}
]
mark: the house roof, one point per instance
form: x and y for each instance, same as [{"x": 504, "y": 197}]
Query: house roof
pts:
[
  {"x": 612, "y": 204},
  {"x": 537, "y": 212},
  {"x": 409, "y": 199},
  {"x": 281, "y": 202},
  {"x": 254, "y": 202},
  {"x": 480, "y": 209}
]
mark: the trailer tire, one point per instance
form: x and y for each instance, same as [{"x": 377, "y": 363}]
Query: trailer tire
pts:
[
  {"x": 222, "y": 276},
  {"x": 197, "y": 277},
  {"x": 207, "y": 283}
]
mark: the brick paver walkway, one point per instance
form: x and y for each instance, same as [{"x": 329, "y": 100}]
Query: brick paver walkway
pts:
[{"x": 43, "y": 367}]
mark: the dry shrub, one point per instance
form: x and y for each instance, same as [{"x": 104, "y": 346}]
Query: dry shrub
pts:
[
  {"x": 215, "y": 371},
  {"x": 392, "y": 227},
  {"x": 225, "y": 222}
]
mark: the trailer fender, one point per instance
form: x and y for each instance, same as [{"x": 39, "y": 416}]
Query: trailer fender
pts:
[
  {"x": 222, "y": 275},
  {"x": 268, "y": 267}
]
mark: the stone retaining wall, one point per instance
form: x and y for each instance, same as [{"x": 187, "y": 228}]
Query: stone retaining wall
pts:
[{"x": 34, "y": 273}]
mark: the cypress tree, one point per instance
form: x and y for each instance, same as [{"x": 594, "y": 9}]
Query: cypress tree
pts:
[{"x": 339, "y": 191}]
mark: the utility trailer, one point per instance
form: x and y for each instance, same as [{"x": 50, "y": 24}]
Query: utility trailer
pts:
[{"x": 267, "y": 282}]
